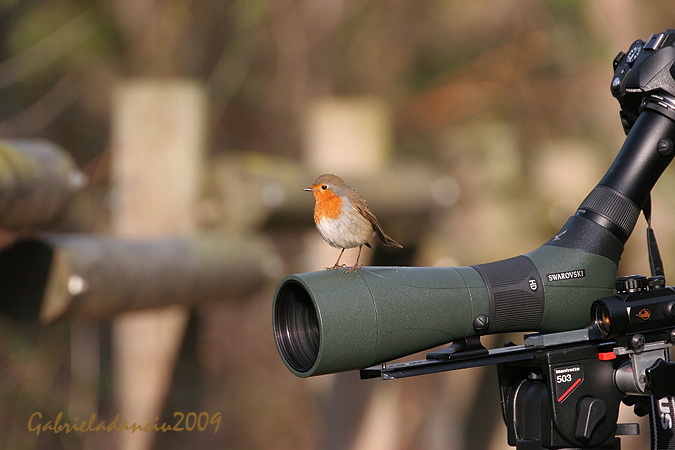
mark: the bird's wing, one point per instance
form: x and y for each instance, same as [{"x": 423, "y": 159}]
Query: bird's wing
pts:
[{"x": 388, "y": 241}]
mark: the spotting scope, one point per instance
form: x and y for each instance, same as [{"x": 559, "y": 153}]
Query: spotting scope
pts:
[{"x": 326, "y": 321}]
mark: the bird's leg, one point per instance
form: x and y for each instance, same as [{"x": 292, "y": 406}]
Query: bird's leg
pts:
[
  {"x": 337, "y": 263},
  {"x": 356, "y": 264}
]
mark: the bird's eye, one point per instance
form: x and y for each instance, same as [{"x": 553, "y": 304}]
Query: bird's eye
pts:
[{"x": 324, "y": 187}]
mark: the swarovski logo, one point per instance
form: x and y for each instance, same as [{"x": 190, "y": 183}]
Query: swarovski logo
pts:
[{"x": 569, "y": 275}]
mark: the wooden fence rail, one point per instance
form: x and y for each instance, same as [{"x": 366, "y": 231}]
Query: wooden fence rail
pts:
[
  {"x": 37, "y": 181},
  {"x": 77, "y": 276}
]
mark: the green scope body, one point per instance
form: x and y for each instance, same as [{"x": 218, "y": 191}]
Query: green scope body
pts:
[{"x": 326, "y": 322}]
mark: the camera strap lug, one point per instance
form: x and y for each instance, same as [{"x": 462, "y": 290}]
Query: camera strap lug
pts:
[{"x": 655, "y": 261}]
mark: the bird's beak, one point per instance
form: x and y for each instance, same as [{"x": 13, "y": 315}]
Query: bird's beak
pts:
[{"x": 309, "y": 189}]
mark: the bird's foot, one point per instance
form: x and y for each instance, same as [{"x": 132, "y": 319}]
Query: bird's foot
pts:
[
  {"x": 353, "y": 268},
  {"x": 336, "y": 266}
]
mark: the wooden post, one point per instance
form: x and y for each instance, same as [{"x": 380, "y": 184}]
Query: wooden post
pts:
[
  {"x": 349, "y": 136},
  {"x": 158, "y": 137}
]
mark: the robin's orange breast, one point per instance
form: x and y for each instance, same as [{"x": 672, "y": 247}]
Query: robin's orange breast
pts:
[{"x": 327, "y": 207}]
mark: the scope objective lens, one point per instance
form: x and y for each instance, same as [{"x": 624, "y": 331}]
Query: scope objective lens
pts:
[{"x": 296, "y": 327}]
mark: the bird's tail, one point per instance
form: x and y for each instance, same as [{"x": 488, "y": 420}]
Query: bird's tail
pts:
[{"x": 388, "y": 241}]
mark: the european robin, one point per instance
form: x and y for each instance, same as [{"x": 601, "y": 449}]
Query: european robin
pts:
[{"x": 343, "y": 218}]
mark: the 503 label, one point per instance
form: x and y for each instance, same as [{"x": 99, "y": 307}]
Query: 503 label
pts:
[
  {"x": 564, "y": 378},
  {"x": 567, "y": 379}
]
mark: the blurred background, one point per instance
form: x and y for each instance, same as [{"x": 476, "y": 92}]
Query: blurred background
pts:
[{"x": 474, "y": 129}]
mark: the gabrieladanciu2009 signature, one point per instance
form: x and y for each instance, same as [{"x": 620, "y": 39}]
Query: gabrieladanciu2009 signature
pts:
[{"x": 191, "y": 421}]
